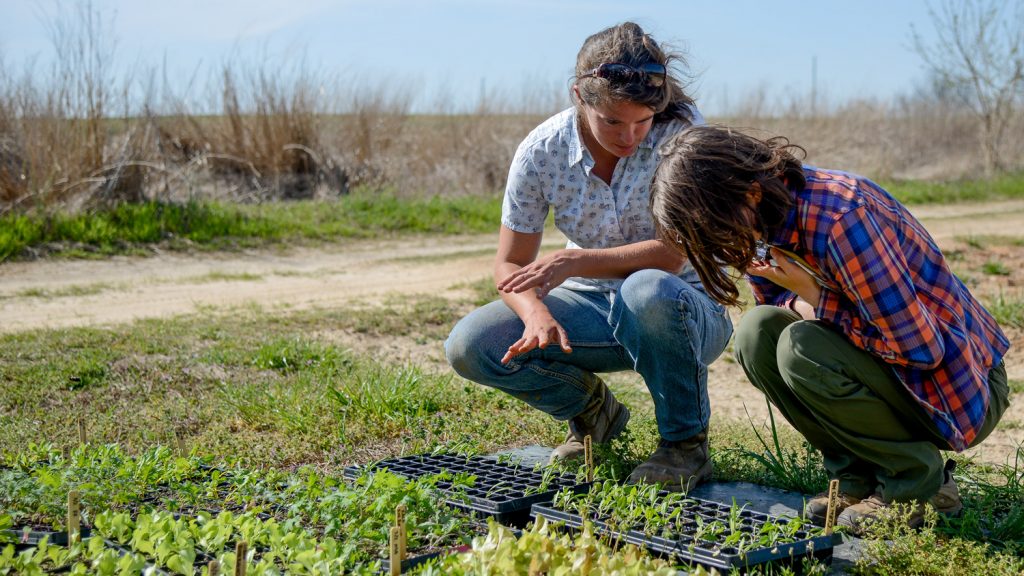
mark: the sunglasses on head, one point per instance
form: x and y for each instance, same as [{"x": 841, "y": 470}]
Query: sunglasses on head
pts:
[{"x": 651, "y": 74}]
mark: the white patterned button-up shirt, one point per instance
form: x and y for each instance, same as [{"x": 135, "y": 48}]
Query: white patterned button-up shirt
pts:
[{"x": 552, "y": 169}]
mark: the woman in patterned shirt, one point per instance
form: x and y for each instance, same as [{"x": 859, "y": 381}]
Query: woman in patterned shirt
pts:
[
  {"x": 615, "y": 298},
  {"x": 863, "y": 337}
]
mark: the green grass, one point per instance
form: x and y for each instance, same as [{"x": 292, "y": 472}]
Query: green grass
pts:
[
  {"x": 72, "y": 290},
  {"x": 130, "y": 227},
  {"x": 1007, "y": 310},
  {"x": 995, "y": 268},
  {"x": 272, "y": 388},
  {"x": 1004, "y": 186}
]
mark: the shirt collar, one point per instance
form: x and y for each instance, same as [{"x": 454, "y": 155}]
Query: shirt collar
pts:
[{"x": 575, "y": 139}]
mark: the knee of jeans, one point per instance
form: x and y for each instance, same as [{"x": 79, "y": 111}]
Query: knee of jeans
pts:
[
  {"x": 649, "y": 292},
  {"x": 462, "y": 354}
]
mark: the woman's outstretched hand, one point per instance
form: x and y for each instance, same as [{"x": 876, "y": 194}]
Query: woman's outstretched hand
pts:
[{"x": 541, "y": 330}]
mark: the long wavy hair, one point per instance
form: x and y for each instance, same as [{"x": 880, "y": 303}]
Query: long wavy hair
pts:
[
  {"x": 699, "y": 199},
  {"x": 627, "y": 43}
]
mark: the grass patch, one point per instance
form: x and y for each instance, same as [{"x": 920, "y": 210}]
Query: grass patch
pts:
[
  {"x": 985, "y": 240},
  {"x": 1005, "y": 186},
  {"x": 1008, "y": 311},
  {"x": 222, "y": 277},
  {"x": 127, "y": 227},
  {"x": 67, "y": 291},
  {"x": 995, "y": 268},
  {"x": 270, "y": 388}
]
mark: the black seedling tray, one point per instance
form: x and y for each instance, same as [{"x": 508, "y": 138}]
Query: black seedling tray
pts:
[
  {"x": 504, "y": 491},
  {"x": 28, "y": 538},
  {"x": 412, "y": 561},
  {"x": 685, "y": 547}
]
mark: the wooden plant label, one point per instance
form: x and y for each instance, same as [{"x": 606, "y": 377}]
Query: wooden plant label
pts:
[
  {"x": 402, "y": 535},
  {"x": 396, "y": 559},
  {"x": 74, "y": 517},
  {"x": 241, "y": 551},
  {"x": 213, "y": 568},
  {"x": 588, "y": 452},
  {"x": 833, "y": 500},
  {"x": 81, "y": 431}
]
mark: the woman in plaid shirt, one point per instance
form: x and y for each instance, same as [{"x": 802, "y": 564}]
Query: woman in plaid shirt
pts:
[{"x": 863, "y": 338}]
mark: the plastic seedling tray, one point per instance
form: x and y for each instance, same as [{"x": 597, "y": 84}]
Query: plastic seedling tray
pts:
[
  {"x": 689, "y": 546},
  {"x": 412, "y": 561},
  {"x": 27, "y": 537},
  {"x": 502, "y": 490}
]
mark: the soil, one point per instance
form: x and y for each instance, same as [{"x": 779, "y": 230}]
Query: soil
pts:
[{"x": 63, "y": 293}]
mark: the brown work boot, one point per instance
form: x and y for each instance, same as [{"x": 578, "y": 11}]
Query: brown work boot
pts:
[
  {"x": 859, "y": 517},
  {"x": 816, "y": 508},
  {"x": 678, "y": 466},
  {"x": 603, "y": 419}
]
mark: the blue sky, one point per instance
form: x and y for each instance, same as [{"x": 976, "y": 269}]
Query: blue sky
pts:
[{"x": 455, "y": 48}]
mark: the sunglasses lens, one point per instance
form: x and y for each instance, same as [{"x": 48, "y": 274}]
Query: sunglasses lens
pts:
[
  {"x": 655, "y": 74},
  {"x": 650, "y": 74},
  {"x": 617, "y": 73}
]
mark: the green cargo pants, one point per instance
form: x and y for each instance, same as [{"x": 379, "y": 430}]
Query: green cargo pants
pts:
[{"x": 850, "y": 405}]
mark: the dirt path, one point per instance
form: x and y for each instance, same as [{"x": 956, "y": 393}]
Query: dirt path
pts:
[{"x": 53, "y": 294}]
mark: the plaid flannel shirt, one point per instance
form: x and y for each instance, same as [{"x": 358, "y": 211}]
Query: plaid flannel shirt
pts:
[{"x": 893, "y": 296}]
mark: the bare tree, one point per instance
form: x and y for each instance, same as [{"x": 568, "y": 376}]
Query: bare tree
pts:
[{"x": 979, "y": 47}]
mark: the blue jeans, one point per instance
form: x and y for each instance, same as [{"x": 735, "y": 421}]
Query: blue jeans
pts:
[{"x": 657, "y": 324}]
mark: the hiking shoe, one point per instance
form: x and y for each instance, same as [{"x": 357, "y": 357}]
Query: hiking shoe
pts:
[
  {"x": 602, "y": 420},
  {"x": 859, "y": 517},
  {"x": 816, "y": 508},
  {"x": 678, "y": 466}
]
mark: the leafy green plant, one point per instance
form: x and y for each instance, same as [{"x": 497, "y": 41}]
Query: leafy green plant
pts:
[
  {"x": 542, "y": 551},
  {"x": 895, "y": 549}
]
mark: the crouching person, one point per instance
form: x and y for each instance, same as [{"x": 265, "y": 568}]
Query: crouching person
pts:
[
  {"x": 616, "y": 298},
  {"x": 863, "y": 338}
]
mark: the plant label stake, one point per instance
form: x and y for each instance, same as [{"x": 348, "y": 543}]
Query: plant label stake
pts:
[
  {"x": 588, "y": 452},
  {"x": 402, "y": 535},
  {"x": 81, "y": 431},
  {"x": 833, "y": 500},
  {"x": 213, "y": 568},
  {"x": 241, "y": 550},
  {"x": 396, "y": 560},
  {"x": 180, "y": 442},
  {"x": 74, "y": 517}
]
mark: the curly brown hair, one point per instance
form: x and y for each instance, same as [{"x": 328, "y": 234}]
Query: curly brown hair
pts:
[
  {"x": 627, "y": 43},
  {"x": 700, "y": 199}
]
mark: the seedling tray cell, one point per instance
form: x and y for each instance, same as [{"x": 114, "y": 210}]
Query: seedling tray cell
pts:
[
  {"x": 504, "y": 491},
  {"x": 689, "y": 546}
]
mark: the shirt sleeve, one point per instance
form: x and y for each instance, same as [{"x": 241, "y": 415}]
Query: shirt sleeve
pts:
[
  {"x": 524, "y": 207},
  {"x": 878, "y": 307},
  {"x": 768, "y": 292}
]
